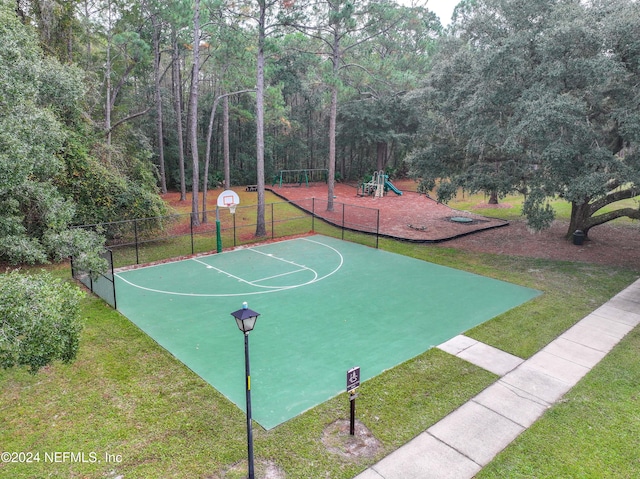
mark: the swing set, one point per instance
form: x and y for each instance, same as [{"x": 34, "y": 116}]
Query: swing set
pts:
[{"x": 305, "y": 176}]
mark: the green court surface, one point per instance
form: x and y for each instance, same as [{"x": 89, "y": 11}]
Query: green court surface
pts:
[{"x": 326, "y": 306}]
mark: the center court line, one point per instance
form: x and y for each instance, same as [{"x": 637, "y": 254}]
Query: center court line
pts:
[
  {"x": 255, "y": 281},
  {"x": 246, "y": 281},
  {"x": 221, "y": 271},
  {"x": 315, "y": 275},
  {"x": 270, "y": 255}
]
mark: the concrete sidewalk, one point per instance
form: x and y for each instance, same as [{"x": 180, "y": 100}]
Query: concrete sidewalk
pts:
[{"x": 466, "y": 440}]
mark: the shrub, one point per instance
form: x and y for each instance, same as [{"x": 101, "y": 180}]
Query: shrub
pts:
[{"x": 39, "y": 320}]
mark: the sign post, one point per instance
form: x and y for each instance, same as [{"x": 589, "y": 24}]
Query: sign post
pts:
[{"x": 353, "y": 382}]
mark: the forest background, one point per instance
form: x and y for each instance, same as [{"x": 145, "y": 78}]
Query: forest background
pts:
[{"x": 107, "y": 103}]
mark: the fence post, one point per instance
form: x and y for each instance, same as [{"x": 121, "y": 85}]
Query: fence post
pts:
[
  {"x": 191, "y": 231},
  {"x": 135, "y": 234},
  {"x": 234, "y": 230},
  {"x": 113, "y": 279},
  {"x": 378, "y": 229},
  {"x": 342, "y": 221},
  {"x": 313, "y": 215},
  {"x": 272, "y": 223}
]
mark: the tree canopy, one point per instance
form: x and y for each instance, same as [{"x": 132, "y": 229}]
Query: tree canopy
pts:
[
  {"x": 538, "y": 97},
  {"x": 49, "y": 179},
  {"x": 36, "y": 96}
]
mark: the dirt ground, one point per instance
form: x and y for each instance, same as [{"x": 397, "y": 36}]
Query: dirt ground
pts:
[{"x": 416, "y": 217}]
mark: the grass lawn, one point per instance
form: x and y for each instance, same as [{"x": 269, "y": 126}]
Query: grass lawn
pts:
[
  {"x": 561, "y": 207},
  {"x": 510, "y": 207},
  {"x": 594, "y": 432},
  {"x": 129, "y": 409}
]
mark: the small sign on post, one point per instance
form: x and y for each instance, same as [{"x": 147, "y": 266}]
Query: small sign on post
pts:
[
  {"x": 353, "y": 382},
  {"x": 353, "y": 378}
]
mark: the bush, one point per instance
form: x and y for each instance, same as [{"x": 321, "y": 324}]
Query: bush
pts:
[{"x": 39, "y": 320}]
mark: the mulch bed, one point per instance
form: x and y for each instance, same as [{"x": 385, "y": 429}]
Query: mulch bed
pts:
[
  {"x": 608, "y": 244},
  {"x": 415, "y": 217},
  {"x": 410, "y": 216}
]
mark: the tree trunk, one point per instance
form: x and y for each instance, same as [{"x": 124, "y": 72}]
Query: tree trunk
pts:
[
  {"x": 69, "y": 44},
  {"x": 107, "y": 74},
  {"x": 207, "y": 159},
  {"x": 580, "y": 215},
  {"x": 332, "y": 147},
  {"x": 381, "y": 150},
  {"x": 333, "y": 114},
  {"x": 87, "y": 33},
  {"x": 158, "y": 95},
  {"x": 261, "y": 229},
  {"x": 225, "y": 141},
  {"x": 193, "y": 114},
  {"x": 216, "y": 101},
  {"x": 493, "y": 198},
  {"x": 177, "y": 107}
]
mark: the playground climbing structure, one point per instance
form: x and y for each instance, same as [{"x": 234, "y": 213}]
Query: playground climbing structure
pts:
[{"x": 377, "y": 186}]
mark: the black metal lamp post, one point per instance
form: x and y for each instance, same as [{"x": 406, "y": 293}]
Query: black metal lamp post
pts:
[{"x": 246, "y": 320}]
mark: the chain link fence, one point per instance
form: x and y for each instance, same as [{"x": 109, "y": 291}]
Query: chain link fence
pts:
[
  {"x": 149, "y": 240},
  {"x": 101, "y": 284}
]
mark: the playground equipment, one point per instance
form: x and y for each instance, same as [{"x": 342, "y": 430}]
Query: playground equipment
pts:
[
  {"x": 390, "y": 186},
  {"x": 298, "y": 177},
  {"x": 378, "y": 185},
  {"x": 375, "y": 187}
]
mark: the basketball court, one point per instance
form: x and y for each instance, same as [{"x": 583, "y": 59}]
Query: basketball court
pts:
[{"x": 326, "y": 306}]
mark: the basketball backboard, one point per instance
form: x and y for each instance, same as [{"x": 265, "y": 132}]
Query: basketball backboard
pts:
[{"x": 228, "y": 199}]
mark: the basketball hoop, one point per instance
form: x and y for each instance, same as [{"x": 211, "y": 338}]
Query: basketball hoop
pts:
[
  {"x": 229, "y": 199},
  {"x": 226, "y": 199}
]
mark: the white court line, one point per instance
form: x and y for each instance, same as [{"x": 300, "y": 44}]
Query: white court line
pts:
[
  {"x": 256, "y": 281},
  {"x": 270, "y": 255},
  {"x": 284, "y": 274},
  {"x": 270, "y": 289},
  {"x": 332, "y": 248},
  {"x": 209, "y": 266}
]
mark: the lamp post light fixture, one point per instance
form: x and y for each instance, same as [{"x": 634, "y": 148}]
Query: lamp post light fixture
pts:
[{"x": 246, "y": 320}]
